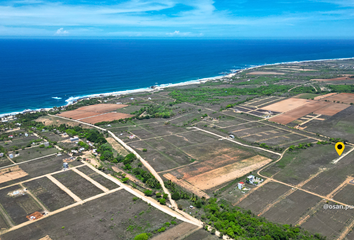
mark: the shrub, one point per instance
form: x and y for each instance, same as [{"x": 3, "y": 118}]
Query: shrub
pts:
[
  {"x": 173, "y": 222},
  {"x": 148, "y": 192},
  {"x": 161, "y": 229},
  {"x": 165, "y": 195},
  {"x": 180, "y": 207},
  {"x": 158, "y": 194},
  {"x": 213, "y": 231},
  {"x": 125, "y": 180},
  {"x": 145, "y": 150},
  {"x": 176, "y": 196},
  {"x": 142, "y": 236},
  {"x": 135, "y": 198},
  {"x": 167, "y": 224},
  {"x": 162, "y": 201}
]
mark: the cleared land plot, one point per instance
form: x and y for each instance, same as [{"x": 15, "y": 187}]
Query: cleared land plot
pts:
[
  {"x": 19, "y": 142},
  {"x": 201, "y": 235},
  {"x": 11, "y": 173},
  {"x": 129, "y": 109},
  {"x": 190, "y": 138},
  {"x": 3, "y": 224},
  {"x": 33, "y": 153},
  {"x": 331, "y": 109},
  {"x": 49, "y": 193},
  {"x": 4, "y": 162},
  {"x": 77, "y": 184},
  {"x": 54, "y": 137},
  {"x": 307, "y": 96},
  {"x": 286, "y": 105},
  {"x": 19, "y": 206},
  {"x": 299, "y": 165},
  {"x": 341, "y": 125},
  {"x": 181, "y": 230},
  {"x": 227, "y": 173},
  {"x": 346, "y": 195},
  {"x": 290, "y": 209},
  {"x": 324, "y": 96},
  {"x": 328, "y": 222},
  {"x": 107, "y": 117},
  {"x": 263, "y": 196},
  {"x": 98, "y": 178},
  {"x": 96, "y": 113},
  {"x": 342, "y": 98},
  {"x": 41, "y": 167},
  {"x": 109, "y": 217},
  {"x": 329, "y": 180},
  {"x": 299, "y": 112}
]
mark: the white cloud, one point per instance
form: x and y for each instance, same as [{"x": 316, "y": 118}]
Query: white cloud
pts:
[
  {"x": 184, "y": 34},
  {"x": 61, "y": 31}
]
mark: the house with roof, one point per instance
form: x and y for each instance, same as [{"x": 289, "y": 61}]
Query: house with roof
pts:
[{"x": 240, "y": 185}]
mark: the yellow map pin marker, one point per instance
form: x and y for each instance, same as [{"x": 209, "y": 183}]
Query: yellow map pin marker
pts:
[{"x": 340, "y": 148}]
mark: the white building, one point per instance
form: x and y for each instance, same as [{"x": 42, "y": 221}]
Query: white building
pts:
[
  {"x": 1, "y": 154},
  {"x": 240, "y": 185},
  {"x": 11, "y": 155}
]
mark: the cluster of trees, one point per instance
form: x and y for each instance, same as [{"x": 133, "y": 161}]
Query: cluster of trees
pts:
[
  {"x": 300, "y": 146},
  {"x": 276, "y": 148},
  {"x": 235, "y": 222},
  {"x": 155, "y": 111},
  {"x": 206, "y": 94}
]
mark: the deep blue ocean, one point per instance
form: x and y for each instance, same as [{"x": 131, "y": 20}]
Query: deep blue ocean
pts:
[{"x": 35, "y": 72}]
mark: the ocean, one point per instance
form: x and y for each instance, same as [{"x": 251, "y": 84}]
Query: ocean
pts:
[{"x": 37, "y": 73}]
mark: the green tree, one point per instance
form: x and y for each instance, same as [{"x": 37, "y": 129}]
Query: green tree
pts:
[{"x": 142, "y": 236}]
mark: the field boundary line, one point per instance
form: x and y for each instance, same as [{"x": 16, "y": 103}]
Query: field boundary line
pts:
[
  {"x": 104, "y": 189},
  {"x": 344, "y": 155},
  {"x": 35, "y": 199},
  {"x": 7, "y": 218},
  {"x": 15, "y": 164},
  {"x": 340, "y": 187},
  {"x": 308, "y": 214},
  {"x": 61, "y": 210},
  {"x": 346, "y": 231},
  {"x": 245, "y": 145},
  {"x": 35, "y": 178},
  {"x": 278, "y": 200},
  {"x": 65, "y": 189},
  {"x": 251, "y": 191}
]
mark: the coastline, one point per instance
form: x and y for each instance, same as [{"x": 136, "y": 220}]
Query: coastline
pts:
[{"x": 72, "y": 100}]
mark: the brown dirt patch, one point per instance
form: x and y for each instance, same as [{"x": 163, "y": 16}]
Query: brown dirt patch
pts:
[
  {"x": 186, "y": 185},
  {"x": 93, "y": 110},
  {"x": 34, "y": 216},
  {"x": 106, "y": 117},
  {"x": 265, "y": 73},
  {"x": 46, "y": 238},
  {"x": 177, "y": 232},
  {"x": 334, "y": 79},
  {"x": 332, "y": 109},
  {"x": 119, "y": 148},
  {"x": 227, "y": 173},
  {"x": 342, "y": 98},
  {"x": 299, "y": 112},
  {"x": 219, "y": 157},
  {"x": 12, "y": 173},
  {"x": 286, "y": 105},
  {"x": 324, "y": 96},
  {"x": 50, "y": 120}
]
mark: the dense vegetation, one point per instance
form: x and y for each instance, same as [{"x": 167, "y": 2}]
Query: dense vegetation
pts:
[
  {"x": 206, "y": 94},
  {"x": 240, "y": 224}
]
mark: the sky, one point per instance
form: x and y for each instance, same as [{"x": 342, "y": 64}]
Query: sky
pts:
[{"x": 202, "y": 19}]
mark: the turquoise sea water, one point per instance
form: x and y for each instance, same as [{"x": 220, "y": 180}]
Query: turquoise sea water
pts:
[{"x": 45, "y": 73}]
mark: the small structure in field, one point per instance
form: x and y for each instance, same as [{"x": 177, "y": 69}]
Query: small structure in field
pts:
[
  {"x": 46, "y": 144},
  {"x": 34, "y": 216},
  {"x": 73, "y": 139},
  {"x": 240, "y": 185},
  {"x": 11, "y": 136},
  {"x": 65, "y": 166},
  {"x": 11, "y": 155},
  {"x": 132, "y": 136},
  {"x": 26, "y": 134},
  {"x": 1, "y": 154}
]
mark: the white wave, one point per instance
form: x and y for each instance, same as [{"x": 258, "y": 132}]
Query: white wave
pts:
[{"x": 57, "y": 98}]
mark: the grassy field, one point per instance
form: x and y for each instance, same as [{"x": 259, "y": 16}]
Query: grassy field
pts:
[{"x": 34, "y": 152}]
